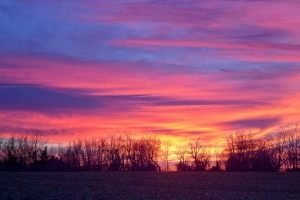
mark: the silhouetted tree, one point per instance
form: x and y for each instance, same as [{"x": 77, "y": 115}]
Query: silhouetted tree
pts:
[
  {"x": 115, "y": 152},
  {"x": 261, "y": 160},
  {"x": 181, "y": 153},
  {"x": 200, "y": 154},
  {"x": 101, "y": 158},
  {"x": 166, "y": 153},
  {"x": 241, "y": 150},
  {"x": 277, "y": 148},
  {"x": 44, "y": 155},
  {"x": 28, "y": 152},
  {"x": 20, "y": 150},
  {"x": 146, "y": 152},
  {"x": 293, "y": 146},
  {"x": 218, "y": 166}
]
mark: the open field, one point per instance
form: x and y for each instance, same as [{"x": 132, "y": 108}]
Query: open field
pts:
[{"x": 149, "y": 185}]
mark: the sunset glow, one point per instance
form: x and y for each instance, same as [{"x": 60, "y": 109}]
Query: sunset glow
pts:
[{"x": 178, "y": 70}]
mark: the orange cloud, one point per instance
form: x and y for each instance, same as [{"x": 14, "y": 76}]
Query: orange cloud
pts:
[{"x": 173, "y": 105}]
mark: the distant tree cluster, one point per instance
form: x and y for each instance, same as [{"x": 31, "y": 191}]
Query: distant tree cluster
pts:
[
  {"x": 196, "y": 151},
  {"x": 278, "y": 151},
  {"x": 115, "y": 154},
  {"x": 27, "y": 152},
  {"x": 23, "y": 151}
]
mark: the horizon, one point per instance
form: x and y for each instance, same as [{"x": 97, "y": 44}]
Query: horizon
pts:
[{"x": 176, "y": 70}]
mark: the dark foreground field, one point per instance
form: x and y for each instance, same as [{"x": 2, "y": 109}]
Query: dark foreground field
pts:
[{"x": 149, "y": 185}]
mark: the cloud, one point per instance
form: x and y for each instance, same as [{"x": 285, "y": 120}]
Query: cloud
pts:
[
  {"x": 224, "y": 102},
  {"x": 41, "y": 99},
  {"x": 204, "y": 44},
  {"x": 85, "y": 31},
  {"x": 261, "y": 123},
  {"x": 29, "y": 97}
]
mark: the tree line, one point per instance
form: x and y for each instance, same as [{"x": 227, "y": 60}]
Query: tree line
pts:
[
  {"x": 278, "y": 151},
  {"x": 28, "y": 152}
]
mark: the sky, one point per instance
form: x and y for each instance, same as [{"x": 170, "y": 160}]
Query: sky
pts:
[{"x": 175, "y": 69}]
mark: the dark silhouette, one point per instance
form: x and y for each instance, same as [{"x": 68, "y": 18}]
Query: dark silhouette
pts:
[
  {"x": 198, "y": 151},
  {"x": 276, "y": 152},
  {"x": 28, "y": 152}
]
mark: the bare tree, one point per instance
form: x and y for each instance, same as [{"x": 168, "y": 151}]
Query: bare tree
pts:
[
  {"x": 277, "y": 148},
  {"x": 293, "y": 145},
  {"x": 166, "y": 153},
  {"x": 219, "y": 164},
  {"x": 145, "y": 153},
  {"x": 222, "y": 158},
  {"x": 131, "y": 158},
  {"x": 24, "y": 149},
  {"x": 10, "y": 150},
  {"x": 101, "y": 159},
  {"x": 153, "y": 150},
  {"x": 115, "y": 151},
  {"x": 240, "y": 147},
  {"x": 19, "y": 151},
  {"x": 200, "y": 154},
  {"x": 181, "y": 152},
  {"x": 37, "y": 141},
  {"x": 91, "y": 150}
]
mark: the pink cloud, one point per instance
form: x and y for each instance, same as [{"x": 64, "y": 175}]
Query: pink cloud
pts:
[
  {"x": 194, "y": 102},
  {"x": 228, "y": 45}
]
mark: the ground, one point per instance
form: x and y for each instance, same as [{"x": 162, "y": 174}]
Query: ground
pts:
[{"x": 149, "y": 185}]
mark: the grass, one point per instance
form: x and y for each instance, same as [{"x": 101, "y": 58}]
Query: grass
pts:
[{"x": 149, "y": 185}]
